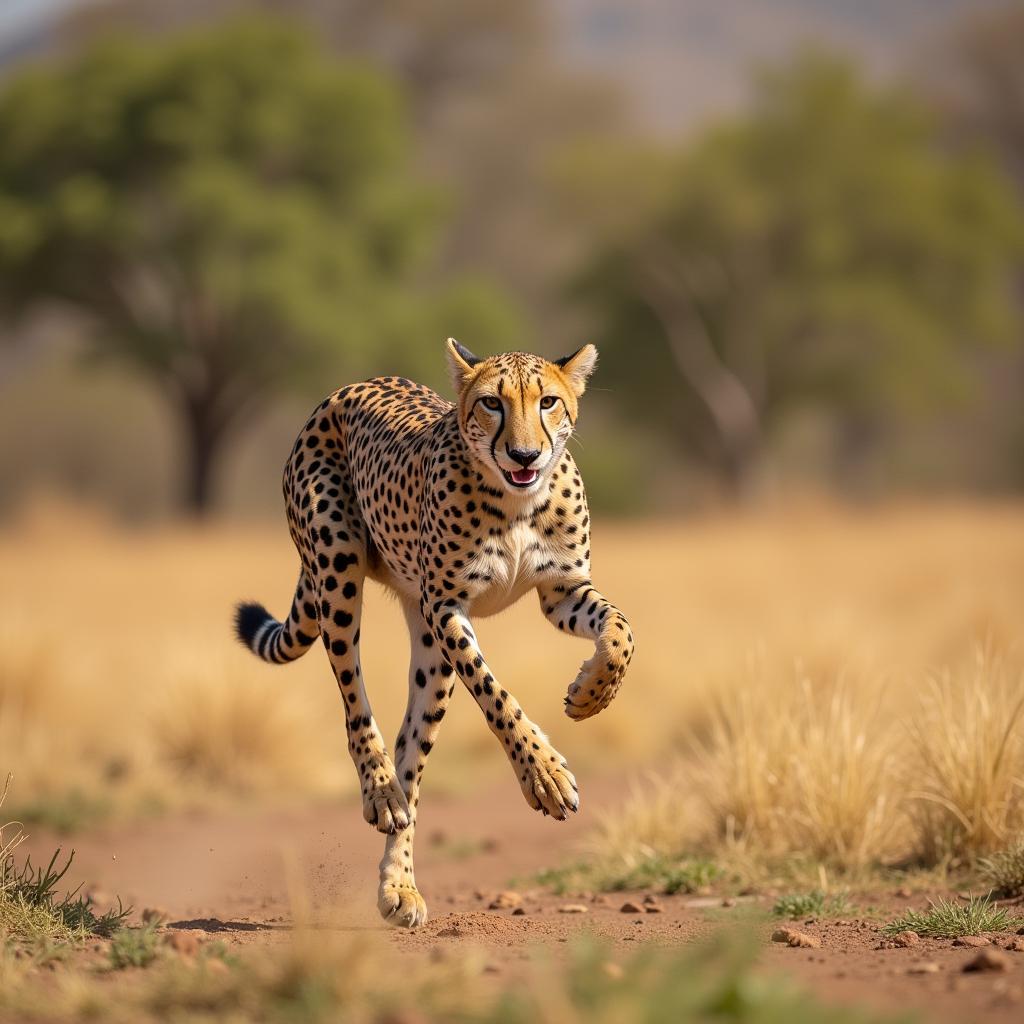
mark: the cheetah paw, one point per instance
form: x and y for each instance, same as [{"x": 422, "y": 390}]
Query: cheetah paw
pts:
[
  {"x": 384, "y": 804},
  {"x": 594, "y": 688},
  {"x": 401, "y": 905},
  {"x": 547, "y": 783}
]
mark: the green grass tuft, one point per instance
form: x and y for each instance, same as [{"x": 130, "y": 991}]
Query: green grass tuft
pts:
[
  {"x": 815, "y": 903},
  {"x": 1004, "y": 871},
  {"x": 668, "y": 875},
  {"x": 135, "y": 947},
  {"x": 945, "y": 919}
]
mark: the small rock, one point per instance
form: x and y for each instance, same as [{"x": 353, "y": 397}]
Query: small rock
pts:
[
  {"x": 906, "y": 939},
  {"x": 653, "y": 908},
  {"x": 572, "y": 908},
  {"x": 973, "y": 941},
  {"x": 183, "y": 943},
  {"x": 154, "y": 915},
  {"x": 518, "y": 912},
  {"x": 1016, "y": 945},
  {"x": 791, "y": 937},
  {"x": 989, "y": 960},
  {"x": 924, "y": 967},
  {"x": 505, "y": 900},
  {"x": 629, "y": 907}
]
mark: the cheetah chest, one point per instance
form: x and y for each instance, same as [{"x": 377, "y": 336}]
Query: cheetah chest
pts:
[{"x": 506, "y": 567}]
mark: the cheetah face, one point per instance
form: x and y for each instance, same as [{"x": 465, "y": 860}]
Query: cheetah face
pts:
[{"x": 517, "y": 411}]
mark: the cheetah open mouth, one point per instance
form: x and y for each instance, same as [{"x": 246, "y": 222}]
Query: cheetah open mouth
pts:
[{"x": 521, "y": 477}]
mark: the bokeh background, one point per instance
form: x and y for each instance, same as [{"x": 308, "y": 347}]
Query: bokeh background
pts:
[{"x": 794, "y": 229}]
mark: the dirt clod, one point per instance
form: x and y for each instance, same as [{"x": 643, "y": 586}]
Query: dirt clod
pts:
[
  {"x": 906, "y": 939},
  {"x": 792, "y": 937},
  {"x": 629, "y": 907},
  {"x": 973, "y": 941},
  {"x": 988, "y": 960},
  {"x": 518, "y": 911},
  {"x": 653, "y": 908},
  {"x": 505, "y": 900},
  {"x": 1015, "y": 945},
  {"x": 184, "y": 943}
]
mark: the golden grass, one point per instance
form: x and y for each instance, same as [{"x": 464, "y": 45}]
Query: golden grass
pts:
[
  {"x": 966, "y": 775},
  {"x": 793, "y": 649},
  {"x": 805, "y": 769}
]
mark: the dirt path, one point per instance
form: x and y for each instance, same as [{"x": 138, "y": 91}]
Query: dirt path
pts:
[{"x": 230, "y": 874}]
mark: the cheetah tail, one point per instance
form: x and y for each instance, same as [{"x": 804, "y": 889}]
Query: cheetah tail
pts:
[{"x": 273, "y": 641}]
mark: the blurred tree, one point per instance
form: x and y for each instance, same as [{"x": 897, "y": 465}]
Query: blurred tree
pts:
[
  {"x": 493, "y": 105},
  {"x": 227, "y": 209},
  {"x": 818, "y": 250},
  {"x": 977, "y": 85}
]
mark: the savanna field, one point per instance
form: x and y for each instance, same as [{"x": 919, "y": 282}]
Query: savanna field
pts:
[{"x": 826, "y": 708}]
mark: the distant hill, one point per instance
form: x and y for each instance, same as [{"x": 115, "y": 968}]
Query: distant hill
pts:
[{"x": 684, "y": 61}]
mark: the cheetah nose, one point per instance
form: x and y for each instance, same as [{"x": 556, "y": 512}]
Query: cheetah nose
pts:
[{"x": 522, "y": 456}]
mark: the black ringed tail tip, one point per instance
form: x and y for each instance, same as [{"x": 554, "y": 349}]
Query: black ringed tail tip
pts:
[{"x": 250, "y": 618}]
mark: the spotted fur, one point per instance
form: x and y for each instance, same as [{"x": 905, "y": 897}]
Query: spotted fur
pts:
[{"x": 459, "y": 510}]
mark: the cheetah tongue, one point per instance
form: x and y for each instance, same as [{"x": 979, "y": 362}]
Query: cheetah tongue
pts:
[{"x": 523, "y": 476}]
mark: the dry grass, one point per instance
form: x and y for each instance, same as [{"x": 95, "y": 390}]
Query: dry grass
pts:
[
  {"x": 803, "y": 767},
  {"x": 966, "y": 775},
  {"x": 793, "y": 650}
]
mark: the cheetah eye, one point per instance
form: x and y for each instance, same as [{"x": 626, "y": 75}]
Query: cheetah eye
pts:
[
  {"x": 492, "y": 403},
  {"x": 548, "y": 402}
]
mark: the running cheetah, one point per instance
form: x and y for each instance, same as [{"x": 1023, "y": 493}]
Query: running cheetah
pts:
[{"x": 459, "y": 510}]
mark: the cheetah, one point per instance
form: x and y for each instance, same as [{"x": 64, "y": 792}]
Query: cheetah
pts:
[{"x": 459, "y": 510}]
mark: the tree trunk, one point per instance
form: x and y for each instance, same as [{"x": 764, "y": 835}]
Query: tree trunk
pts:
[
  {"x": 728, "y": 401},
  {"x": 204, "y": 437}
]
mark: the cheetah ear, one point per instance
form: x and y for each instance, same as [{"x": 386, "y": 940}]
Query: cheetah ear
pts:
[
  {"x": 578, "y": 367},
  {"x": 461, "y": 363}
]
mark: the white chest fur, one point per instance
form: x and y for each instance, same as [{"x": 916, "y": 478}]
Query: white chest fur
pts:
[{"x": 506, "y": 568}]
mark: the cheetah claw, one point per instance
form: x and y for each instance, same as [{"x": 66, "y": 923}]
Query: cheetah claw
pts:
[
  {"x": 401, "y": 905},
  {"x": 385, "y": 806},
  {"x": 549, "y": 786}
]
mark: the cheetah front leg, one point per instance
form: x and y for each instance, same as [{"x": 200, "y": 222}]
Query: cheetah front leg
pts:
[
  {"x": 577, "y": 607},
  {"x": 431, "y": 682},
  {"x": 543, "y": 774}
]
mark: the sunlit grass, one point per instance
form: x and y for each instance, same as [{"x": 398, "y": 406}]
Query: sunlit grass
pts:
[
  {"x": 966, "y": 774},
  {"x": 946, "y": 919},
  {"x": 789, "y": 648}
]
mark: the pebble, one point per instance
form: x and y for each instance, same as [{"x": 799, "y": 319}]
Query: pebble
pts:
[
  {"x": 653, "y": 908},
  {"x": 906, "y": 939},
  {"x": 518, "y": 911},
  {"x": 988, "y": 960},
  {"x": 973, "y": 941},
  {"x": 185, "y": 943},
  {"x": 629, "y": 907},
  {"x": 791, "y": 937},
  {"x": 572, "y": 908},
  {"x": 505, "y": 900}
]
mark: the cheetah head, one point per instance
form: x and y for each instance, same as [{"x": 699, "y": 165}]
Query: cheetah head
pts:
[{"x": 517, "y": 411}]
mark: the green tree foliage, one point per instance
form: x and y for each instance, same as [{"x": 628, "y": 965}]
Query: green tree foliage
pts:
[
  {"x": 819, "y": 250},
  {"x": 230, "y": 211}
]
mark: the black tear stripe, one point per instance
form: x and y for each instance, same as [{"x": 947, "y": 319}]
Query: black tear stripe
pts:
[{"x": 494, "y": 440}]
